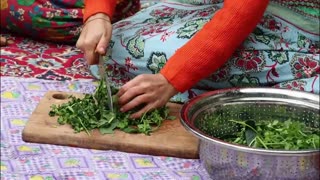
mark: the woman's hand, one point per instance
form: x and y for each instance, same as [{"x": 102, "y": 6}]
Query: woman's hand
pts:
[
  {"x": 3, "y": 41},
  {"x": 95, "y": 37},
  {"x": 151, "y": 90}
]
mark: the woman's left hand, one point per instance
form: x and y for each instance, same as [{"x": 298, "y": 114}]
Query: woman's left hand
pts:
[{"x": 151, "y": 90}]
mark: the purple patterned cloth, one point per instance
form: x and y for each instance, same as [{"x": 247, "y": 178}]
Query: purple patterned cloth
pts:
[{"x": 31, "y": 161}]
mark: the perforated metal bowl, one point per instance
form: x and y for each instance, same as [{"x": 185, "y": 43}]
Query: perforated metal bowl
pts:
[{"x": 224, "y": 160}]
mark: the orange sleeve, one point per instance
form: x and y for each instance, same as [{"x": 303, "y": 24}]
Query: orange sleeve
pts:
[
  {"x": 214, "y": 44},
  {"x": 99, "y": 6}
]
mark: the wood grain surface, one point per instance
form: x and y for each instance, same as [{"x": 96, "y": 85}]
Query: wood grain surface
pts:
[{"x": 171, "y": 139}]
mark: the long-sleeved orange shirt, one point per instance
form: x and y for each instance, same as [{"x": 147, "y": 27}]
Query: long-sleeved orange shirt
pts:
[{"x": 211, "y": 47}]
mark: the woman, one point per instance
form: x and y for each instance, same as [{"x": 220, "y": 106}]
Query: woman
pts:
[{"x": 176, "y": 51}]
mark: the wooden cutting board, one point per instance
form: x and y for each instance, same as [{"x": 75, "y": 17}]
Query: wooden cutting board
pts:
[{"x": 171, "y": 139}]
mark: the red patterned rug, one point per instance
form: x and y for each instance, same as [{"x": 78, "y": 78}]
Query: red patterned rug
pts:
[{"x": 28, "y": 58}]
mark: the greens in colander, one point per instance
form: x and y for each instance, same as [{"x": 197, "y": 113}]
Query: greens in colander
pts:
[{"x": 268, "y": 134}]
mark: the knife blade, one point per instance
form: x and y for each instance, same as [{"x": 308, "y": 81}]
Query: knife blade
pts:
[{"x": 104, "y": 76}]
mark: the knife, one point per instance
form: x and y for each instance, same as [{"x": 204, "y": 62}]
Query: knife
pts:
[{"x": 104, "y": 76}]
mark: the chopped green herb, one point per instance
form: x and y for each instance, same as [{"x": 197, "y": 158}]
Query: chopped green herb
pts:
[
  {"x": 269, "y": 134},
  {"x": 92, "y": 112}
]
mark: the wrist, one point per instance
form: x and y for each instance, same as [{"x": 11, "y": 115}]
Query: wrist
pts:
[
  {"x": 99, "y": 16},
  {"x": 170, "y": 88}
]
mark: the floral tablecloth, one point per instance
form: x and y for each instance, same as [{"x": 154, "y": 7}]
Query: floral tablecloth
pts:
[{"x": 24, "y": 161}]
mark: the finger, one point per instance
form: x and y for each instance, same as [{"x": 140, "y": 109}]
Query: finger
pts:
[
  {"x": 88, "y": 45},
  {"x": 130, "y": 94},
  {"x": 102, "y": 44},
  {"x": 80, "y": 43},
  {"x": 138, "y": 100},
  {"x": 91, "y": 57},
  {"x": 95, "y": 58},
  {"x": 126, "y": 87},
  {"x": 134, "y": 82},
  {"x": 122, "y": 90},
  {"x": 145, "y": 109}
]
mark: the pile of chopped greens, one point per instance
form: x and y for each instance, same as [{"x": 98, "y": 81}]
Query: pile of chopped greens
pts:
[
  {"x": 92, "y": 112},
  {"x": 269, "y": 134}
]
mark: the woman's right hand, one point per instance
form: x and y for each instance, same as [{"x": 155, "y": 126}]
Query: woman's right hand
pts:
[{"x": 95, "y": 37}]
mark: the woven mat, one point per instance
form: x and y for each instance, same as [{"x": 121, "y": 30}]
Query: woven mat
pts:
[{"x": 21, "y": 160}]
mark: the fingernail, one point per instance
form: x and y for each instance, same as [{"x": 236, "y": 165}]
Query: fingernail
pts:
[
  {"x": 121, "y": 109},
  {"x": 101, "y": 49}
]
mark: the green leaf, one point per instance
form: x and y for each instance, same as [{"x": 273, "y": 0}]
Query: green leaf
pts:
[
  {"x": 110, "y": 129},
  {"x": 249, "y": 133},
  {"x": 130, "y": 130}
]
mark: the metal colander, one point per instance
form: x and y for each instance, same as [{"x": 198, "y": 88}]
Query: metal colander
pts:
[{"x": 225, "y": 160}]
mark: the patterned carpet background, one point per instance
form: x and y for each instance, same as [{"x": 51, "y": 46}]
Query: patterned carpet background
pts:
[{"x": 32, "y": 59}]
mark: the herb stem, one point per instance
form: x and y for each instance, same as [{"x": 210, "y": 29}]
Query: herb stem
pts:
[
  {"x": 84, "y": 126},
  {"x": 303, "y": 134},
  {"x": 70, "y": 109},
  {"x": 244, "y": 124},
  {"x": 314, "y": 145},
  {"x": 261, "y": 141},
  {"x": 275, "y": 143},
  {"x": 253, "y": 140}
]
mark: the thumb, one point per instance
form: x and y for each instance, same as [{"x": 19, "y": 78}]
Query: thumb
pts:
[{"x": 102, "y": 45}]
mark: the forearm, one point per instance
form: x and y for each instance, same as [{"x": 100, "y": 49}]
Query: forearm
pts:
[
  {"x": 212, "y": 46},
  {"x": 93, "y": 7}
]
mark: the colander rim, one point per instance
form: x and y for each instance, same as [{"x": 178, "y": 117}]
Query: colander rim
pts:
[{"x": 204, "y": 137}]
